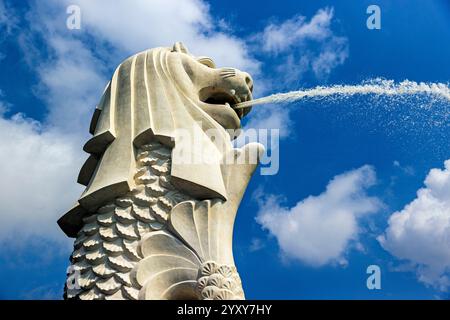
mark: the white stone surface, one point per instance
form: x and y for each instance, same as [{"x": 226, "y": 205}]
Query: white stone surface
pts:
[{"x": 151, "y": 225}]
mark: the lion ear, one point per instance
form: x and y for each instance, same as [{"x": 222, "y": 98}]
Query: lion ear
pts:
[
  {"x": 179, "y": 47},
  {"x": 207, "y": 62}
]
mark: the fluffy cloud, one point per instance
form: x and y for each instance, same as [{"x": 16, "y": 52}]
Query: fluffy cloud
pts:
[
  {"x": 292, "y": 32},
  {"x": 333, "y": 54},
  {"x": 161, "y": 23},
  {"x": 39, "y": 168},
  {"x": 420, "y": 232},
  {"x": 272, "y": 117},
  {"x": 301, "y": 46},
  {"x": 307, "y": 45},
  {"x": 319, "y": 229},
  {"x": 71, "y": 85}
]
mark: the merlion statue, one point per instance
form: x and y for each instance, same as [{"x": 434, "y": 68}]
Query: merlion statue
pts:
[{"x": 156, "y": 218}]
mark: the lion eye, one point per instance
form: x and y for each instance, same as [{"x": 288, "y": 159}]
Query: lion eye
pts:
[{"x": 207, "y": 62}]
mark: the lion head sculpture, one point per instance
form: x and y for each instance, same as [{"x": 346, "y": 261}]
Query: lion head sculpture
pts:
[{"x": 155, "y": 95}]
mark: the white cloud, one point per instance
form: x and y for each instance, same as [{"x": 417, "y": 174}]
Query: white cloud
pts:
[
  {"x": 71, "y": 85},
  {"x": 272, "y": 117},
  {"x": 40, "y": 160},
  {"x": 256, "y": 245},
  {"x": 145, "y": 24},
  {"x": 420, "y": 232},
  {"x": 278, "y": 38},
  {"x": 301, "y": 47},
  {"x": 408, "y": 170},
  {"x": 127, "y": 28},
  {"x": 7, "y": 19},
  {"x": 4, "y": 107},
  {"x": 293, "y": 68},
  {"x": 319, "y": 229},
  {"x": 333, "y": 54},
  {"x": 7, "y": 25},
  {"x": 305, "y": 45},
  {"x": 39, "y": 169}
]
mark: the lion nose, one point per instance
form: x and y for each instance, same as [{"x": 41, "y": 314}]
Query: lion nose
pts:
[{"x": 248, "y": 80}]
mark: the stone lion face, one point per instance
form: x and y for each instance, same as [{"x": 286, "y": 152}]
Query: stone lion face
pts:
[{"x": 217, "y": 90}]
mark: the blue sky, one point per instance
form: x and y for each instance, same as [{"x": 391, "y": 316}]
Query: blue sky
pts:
[{"x": 374, "y": 154}]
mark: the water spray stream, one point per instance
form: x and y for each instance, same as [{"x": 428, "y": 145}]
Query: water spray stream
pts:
[{"x": 375, "y": 87}]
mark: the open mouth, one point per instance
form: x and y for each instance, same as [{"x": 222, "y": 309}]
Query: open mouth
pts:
[{"x": 210, "y": 96}]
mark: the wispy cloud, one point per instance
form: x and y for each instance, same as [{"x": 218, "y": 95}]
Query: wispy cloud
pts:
[
  {"x": 8, "y": 23},
  {"x": 256, "y": 245},
  {"x": 334, "y": 53},
  {"x": 305, "y": 45},
  {"x": 408, "y": 170},
  {"x": 281, "y": 37},
  {"x": 301, "y": 47},
  {"x": 8, "y": 20},
  {"x": 420, "y": 232},
  {"x": 272, "y": 117},
  {"x": 45, "y": 292},
  {"x": 320, "y": 229},
  {"x": 161, "y": 23},
  {"x": 38, "y": 169}
]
